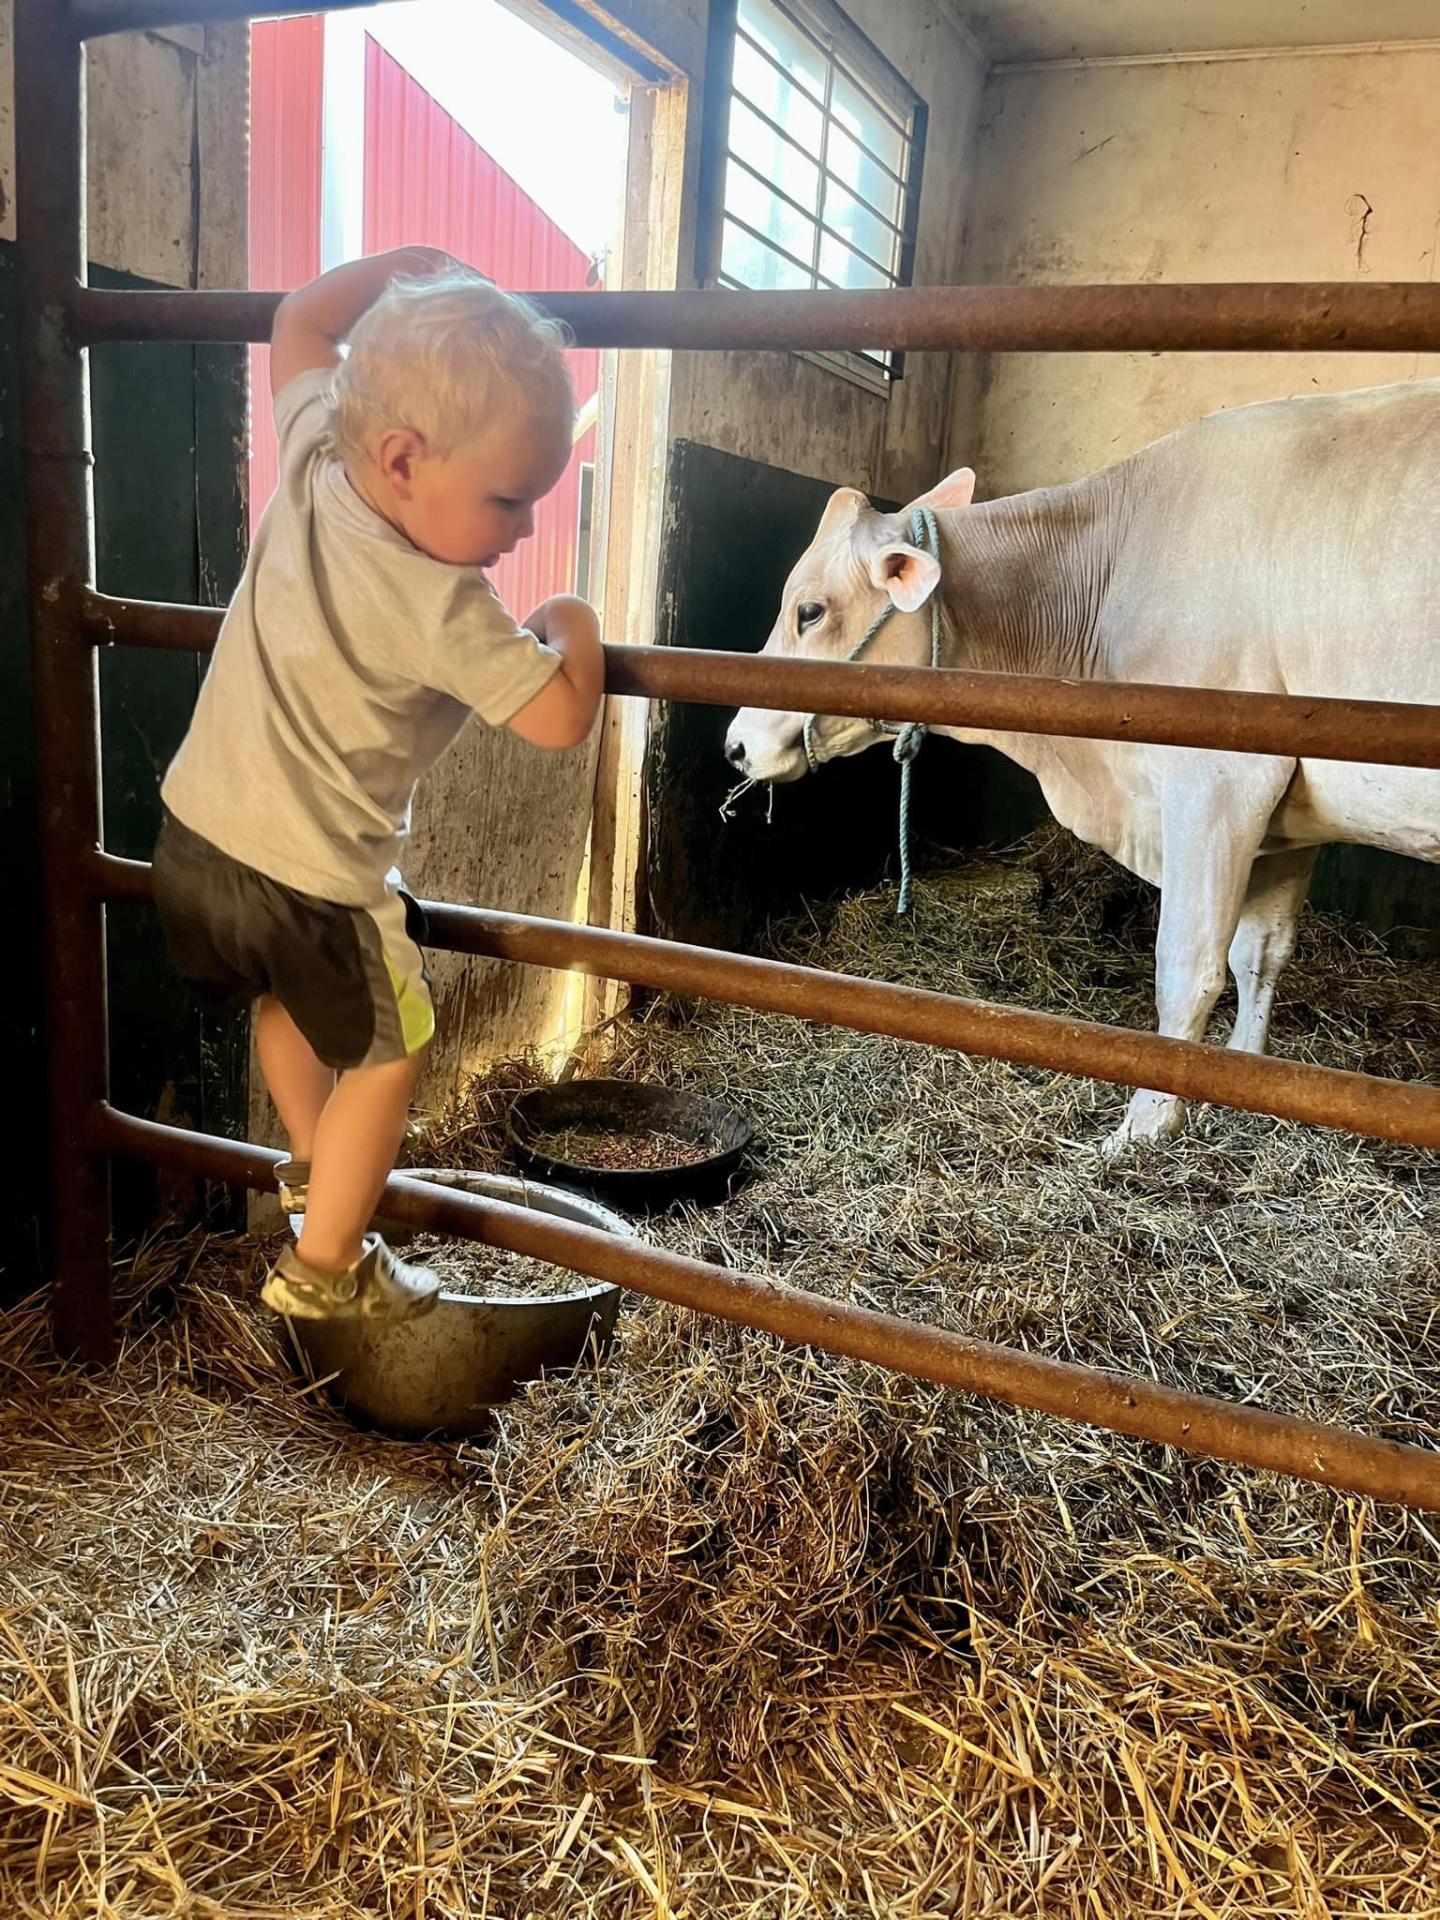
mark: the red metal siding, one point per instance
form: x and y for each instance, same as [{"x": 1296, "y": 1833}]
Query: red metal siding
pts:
[
  {"x": 287, "y": 70},
  {"x": 427, "y": 183}
]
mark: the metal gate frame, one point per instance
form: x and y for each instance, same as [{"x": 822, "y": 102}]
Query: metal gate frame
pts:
[{"x": 61, "y": 317}]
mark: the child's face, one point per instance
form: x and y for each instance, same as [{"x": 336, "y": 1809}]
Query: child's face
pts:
[{"x": 471, "y": 506}]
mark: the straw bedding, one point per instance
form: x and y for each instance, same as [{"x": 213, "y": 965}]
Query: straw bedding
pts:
[{"x": 731, "y": 1630}]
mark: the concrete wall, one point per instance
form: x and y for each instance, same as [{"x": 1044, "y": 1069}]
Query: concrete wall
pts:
[
  {"x": 168, "y": 113},
  {"x": 1287, "y": 167},
  {"x": 792, "y": 413}
]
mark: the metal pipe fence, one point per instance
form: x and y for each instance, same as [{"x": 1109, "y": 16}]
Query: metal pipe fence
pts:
[
  {"x": 1362, "y": 1103},
  {"x": 1251, "y": 1436},
  {"x": 1377, "y": 732},
  {"x": 1214, "y": 317},
  {"x": 70, "y": 622}
]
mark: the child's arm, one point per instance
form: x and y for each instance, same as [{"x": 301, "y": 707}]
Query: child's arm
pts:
[
  {"x": 563, "y": 712},
  {"x": 311, "y": 322}
]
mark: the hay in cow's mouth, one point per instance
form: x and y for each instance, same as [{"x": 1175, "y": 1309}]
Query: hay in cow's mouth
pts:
[{"x": 729, "y": 1629}]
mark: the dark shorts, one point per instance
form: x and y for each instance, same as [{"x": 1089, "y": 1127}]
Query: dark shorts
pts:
[{"x": 351, "y": 978}]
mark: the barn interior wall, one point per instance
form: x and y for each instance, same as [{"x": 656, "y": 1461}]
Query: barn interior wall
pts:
[
  {"x": 794, "y": 414},
  {"x": 1287, "y": 166},
  {"x": 166, "y": 131}
]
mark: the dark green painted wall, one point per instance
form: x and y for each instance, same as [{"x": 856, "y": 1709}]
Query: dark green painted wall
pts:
[{"x": 167, "y": 424}]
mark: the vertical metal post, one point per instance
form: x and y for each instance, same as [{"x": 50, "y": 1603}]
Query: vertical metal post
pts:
[
  {"x": 714, "y": 139},
  {"x": 59, "y": 542}
]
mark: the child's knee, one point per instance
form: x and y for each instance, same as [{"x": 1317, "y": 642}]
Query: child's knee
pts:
[{"x": 387, "y": 1072}]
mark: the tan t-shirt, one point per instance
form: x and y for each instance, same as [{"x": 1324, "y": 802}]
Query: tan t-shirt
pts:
[{"x": 347, "y": 663}]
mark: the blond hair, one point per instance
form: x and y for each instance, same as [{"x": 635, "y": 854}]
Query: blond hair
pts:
[{"x": 446, "y": 357}]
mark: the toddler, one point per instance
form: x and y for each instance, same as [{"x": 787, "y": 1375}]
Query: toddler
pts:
[{"x": 362, "y": 636}]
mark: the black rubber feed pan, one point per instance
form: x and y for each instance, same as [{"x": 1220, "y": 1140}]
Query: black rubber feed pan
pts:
[{"x": 609, "y": 1137}]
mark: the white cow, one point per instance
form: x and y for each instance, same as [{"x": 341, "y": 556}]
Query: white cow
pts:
[{"x": 1292, "y": 547}]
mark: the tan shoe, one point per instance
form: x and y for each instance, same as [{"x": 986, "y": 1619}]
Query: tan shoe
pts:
[
  {"x": 292, "y": 1177},
  {"x": 380, "y": 1286}
]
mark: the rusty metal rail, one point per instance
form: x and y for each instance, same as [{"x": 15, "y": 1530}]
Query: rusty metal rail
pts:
[
  {"x": 1400, "y": 316},
  {"x": 1121, "y": 1403},
  {"x": 91, "y": 17},
  {"x": 1398, "y": 1110},
  {"x": 1382, "y": 732},
  {"x": 55, "y": 445}
]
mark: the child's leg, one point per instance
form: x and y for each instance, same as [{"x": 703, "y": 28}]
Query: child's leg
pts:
[
  {"x": 352, "y": 1154},
  {"x": 299, "y": 1083}
]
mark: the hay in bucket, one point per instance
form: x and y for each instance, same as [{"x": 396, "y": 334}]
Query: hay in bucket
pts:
[{"x": 729, "y": 1629}]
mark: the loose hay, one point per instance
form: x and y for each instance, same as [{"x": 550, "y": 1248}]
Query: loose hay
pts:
[{"x": 733, "y": 1630}]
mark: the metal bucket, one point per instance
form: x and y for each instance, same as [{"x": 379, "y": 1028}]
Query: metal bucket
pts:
[{"x": 442, "y": 1374}]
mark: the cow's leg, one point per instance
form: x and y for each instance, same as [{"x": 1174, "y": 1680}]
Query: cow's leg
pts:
[
  {"x": 1265, "y": 940},
  {"x": 1213, "y": 821}
]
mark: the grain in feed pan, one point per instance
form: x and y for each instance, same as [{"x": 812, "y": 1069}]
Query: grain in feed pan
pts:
[
  {"x": 639, "y": 1145},
  {"x": 443, "y": 1373}
]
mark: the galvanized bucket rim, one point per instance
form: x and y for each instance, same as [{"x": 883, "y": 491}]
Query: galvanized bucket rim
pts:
[{"x": 513, "y": 1186}]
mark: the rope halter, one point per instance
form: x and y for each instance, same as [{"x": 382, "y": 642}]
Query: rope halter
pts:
[{"x": 910, "y": 736}]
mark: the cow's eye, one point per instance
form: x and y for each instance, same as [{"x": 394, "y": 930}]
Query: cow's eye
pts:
[{"x": 809, "y": 614}]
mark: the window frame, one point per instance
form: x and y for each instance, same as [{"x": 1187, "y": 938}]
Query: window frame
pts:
[
  {"x": 850, "y": 52},
  {"x": 585, "y": 528}
]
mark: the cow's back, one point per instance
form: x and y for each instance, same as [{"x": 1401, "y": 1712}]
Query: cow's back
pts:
[{"x": 1292, "y": 546}]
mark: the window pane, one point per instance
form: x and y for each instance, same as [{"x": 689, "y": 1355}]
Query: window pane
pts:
[
  {"x": 856, "y": 223},
  {"x": 751, "y": 201},
  {"x": 773, "y": 158},
  {"x": 757, "y": 81},
  {"x": 847, "y": 269},
  {"x": 854, "y": 110},
  {"x": 751, "y": 262},
  {"x": 801, "y": 195},
  {"x": 795, "y": 51},
  {"x": 856, "y": 169}
]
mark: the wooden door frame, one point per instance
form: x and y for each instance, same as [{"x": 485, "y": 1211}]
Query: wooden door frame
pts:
[{"x": 656, "y": 223}]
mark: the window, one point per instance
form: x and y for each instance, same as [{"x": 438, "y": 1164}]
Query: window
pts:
[{"x": 818, "y": 180}]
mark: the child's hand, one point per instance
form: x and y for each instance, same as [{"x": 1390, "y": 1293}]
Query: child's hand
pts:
[
  {"x": 562, "y": 713},
  {"x": 570, "y": 609},
  {"x": 311, "y": 322},
  {"x": 429, "y": 261}
]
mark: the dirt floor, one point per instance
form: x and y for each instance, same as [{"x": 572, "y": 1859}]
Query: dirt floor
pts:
[{"x": 726, "y": 1630}]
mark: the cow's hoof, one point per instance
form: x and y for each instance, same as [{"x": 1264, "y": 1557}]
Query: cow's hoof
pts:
[{"x": 1150, "y": 1120}]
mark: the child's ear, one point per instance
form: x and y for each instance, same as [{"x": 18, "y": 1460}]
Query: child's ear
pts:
[{"x": 396, "y": 455}]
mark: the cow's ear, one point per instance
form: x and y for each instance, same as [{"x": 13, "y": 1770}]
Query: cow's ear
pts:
[
  {"x": 955, "y": 490},
  {"x": 841, "y": 511},
  {"x": 906, "y": 574}
]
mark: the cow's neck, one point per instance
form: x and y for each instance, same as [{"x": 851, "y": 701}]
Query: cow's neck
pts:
[{"x": 1025, "y": 579}]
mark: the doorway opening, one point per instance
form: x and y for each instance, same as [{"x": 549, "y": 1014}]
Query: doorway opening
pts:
[{"x": 405, "y": 125}]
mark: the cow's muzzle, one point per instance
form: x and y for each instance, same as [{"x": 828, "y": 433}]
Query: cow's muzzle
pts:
[{"x": 766, "y": 746}]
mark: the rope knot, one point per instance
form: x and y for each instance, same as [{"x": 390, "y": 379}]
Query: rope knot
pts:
[{"x": 909, "y": 741}]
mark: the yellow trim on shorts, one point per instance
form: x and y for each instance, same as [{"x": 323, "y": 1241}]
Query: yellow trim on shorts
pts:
[{"x": 416, "y": 1009}]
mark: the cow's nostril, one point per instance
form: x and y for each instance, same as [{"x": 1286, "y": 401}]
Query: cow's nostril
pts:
[{"x": 735, "y": 752}]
